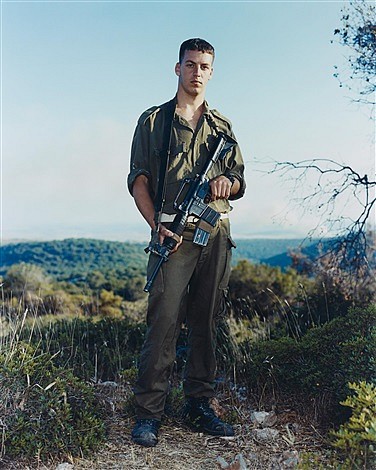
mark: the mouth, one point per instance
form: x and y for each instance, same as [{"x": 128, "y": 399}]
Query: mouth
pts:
[{"x": 196, "y": 82}]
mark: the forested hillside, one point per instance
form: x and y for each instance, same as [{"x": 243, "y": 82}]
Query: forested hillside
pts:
[
  {"x": 273, "y": 251},
  {"x": 70, "y": 258},
  {"x": 66, "y": 259}
]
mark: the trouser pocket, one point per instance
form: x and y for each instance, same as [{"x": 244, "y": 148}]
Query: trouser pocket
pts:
[{"x": 230, "y": 244}]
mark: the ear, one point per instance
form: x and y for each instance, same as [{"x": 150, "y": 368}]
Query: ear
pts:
[
  {"x": 211, "y": 73},
  {"x": 177, "y": 69}
]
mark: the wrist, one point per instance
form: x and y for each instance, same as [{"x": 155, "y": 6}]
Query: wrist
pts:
[{"x": 231, "y": 178}]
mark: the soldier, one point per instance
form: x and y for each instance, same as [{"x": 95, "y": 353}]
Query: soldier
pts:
[{"x": 192, "y": 285}]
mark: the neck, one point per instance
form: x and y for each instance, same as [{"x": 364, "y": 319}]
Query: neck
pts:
[{"x": 184, "y": 100}]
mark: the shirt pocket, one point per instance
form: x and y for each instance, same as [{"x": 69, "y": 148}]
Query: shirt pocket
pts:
[
  {"x": 177, "y": 150},
  {"x": 178, "y": 164}
]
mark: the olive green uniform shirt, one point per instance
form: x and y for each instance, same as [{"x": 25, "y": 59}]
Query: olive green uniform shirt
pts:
[{"x": 189, "y": 151}]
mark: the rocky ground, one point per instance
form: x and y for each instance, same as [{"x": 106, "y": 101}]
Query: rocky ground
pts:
[{"x": 264, "y": 441}]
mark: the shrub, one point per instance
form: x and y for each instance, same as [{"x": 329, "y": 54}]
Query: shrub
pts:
[
  {"x": 46, "y": 411},
  {"x": 262, "y": 287},
  {"x": 316, "y": 369},
  {"x": 93, "y": 350},
  {"x": 340, "y": 280},
  {"x": 27, "y": 280},
  {"x": 357, "y": 437}
]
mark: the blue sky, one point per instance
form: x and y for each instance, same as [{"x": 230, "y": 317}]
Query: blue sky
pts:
[{"x": 76, "y": 76}]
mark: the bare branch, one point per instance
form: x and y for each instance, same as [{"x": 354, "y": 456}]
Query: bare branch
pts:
[{"x": 325, "y": 184}]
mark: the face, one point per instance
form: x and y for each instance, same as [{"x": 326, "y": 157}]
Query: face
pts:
[{"x": 194, "y": 72}]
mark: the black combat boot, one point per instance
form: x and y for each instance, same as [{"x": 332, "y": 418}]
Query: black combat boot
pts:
[
  {"x": 145, "y": 432},
  {"x": 201, "y": 417}
]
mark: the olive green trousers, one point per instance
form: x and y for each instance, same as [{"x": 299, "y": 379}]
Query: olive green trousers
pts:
[{"x": 190, "y": 286}]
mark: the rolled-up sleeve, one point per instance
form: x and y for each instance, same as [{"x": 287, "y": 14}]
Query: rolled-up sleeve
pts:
[
  {"x": 140, "y": 164},
  {"x": 235, "y": 168}
]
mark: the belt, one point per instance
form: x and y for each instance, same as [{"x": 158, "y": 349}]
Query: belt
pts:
[{"x": 191, "y": 219}]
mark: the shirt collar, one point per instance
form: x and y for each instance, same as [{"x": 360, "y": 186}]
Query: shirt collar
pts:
[
  {"x": 206, "y": 107},
  {"x": 205, "y": 103}
]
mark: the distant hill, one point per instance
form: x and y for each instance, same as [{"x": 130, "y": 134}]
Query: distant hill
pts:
[
  {"x": 274, "y": 252},
  {"x": 70, "y": 258},
  {"x": 73, "y": 258}
]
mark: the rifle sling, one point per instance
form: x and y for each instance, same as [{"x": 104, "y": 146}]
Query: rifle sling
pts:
[{"x": 168, "y": 111}]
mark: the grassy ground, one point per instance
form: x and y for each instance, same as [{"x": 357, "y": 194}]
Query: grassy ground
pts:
[{"x": 180, "y": 448}]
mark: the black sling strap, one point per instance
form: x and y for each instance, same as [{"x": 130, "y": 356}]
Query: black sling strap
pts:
[{"x": 168, "y": 111}]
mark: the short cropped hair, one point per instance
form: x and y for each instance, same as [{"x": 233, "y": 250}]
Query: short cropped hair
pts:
[{"x": 195, "y": 44}]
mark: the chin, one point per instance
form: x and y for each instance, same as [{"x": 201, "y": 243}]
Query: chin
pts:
[{"x": 196, "y": 91}]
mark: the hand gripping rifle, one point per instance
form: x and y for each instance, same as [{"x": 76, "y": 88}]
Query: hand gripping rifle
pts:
[{"x": 192, "y": 200}]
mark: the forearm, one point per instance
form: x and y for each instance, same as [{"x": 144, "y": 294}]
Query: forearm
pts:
[
  {"x": 144, "y": 203},
  {"x": 235, "y": 187},
  {"x": 143, "y": 200}
]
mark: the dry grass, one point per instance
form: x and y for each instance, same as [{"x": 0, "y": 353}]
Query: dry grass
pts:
[{"x": 180, "y": 448}]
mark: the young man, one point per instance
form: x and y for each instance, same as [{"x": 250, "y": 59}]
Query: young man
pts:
[{"x": 191, "y": 285}]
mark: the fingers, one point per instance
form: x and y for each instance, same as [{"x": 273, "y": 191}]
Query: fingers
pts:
[
  {"x": 220, "y": 188},
  {"x": 177, "y": 245},
  {"x": 163, "y": 232}
]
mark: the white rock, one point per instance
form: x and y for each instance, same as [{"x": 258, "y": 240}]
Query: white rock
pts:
[
  {"x": 108, "y": 383},
  {"x": 265, "y": 434},
  {"x": 65, "y": 466},
  {"x": 264, "y": 418}
]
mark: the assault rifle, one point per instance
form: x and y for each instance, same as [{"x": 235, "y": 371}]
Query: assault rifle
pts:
[{"x": 192, "y": 200}]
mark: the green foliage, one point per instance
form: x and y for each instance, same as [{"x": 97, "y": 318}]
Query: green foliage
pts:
[
  {"x": 93, "y": 350},
  {"x": 26, "y": 280},
  {"x": 90, "y": 265},
  {"x": 291, "y": 303},
  {"x": 316, "y": 369},
  {"x": 338, "y": 283},
  {"x": 129, "y": 375},
  {"x": 175, "y": 401},
  {"x": 109, "y": 303},
  {"x": 357, "y": 437},
  {"x": 87, "y": 267},
  {"x": 263, "y": 284},
  {"x": 267, "y": 293},
  {"x": 78, "y": 257},
  {"x": 310, "y": 461},
  {"x": 46, "y": 410},
  {"x": 245, "y": 329},
  {"x": 58, "y": 302},
  {"x": 74, "y": 258}
]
